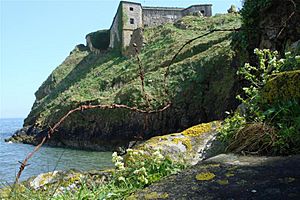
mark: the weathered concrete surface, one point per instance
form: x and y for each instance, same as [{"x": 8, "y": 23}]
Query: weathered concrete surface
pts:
[{"x": 231, "y": 177}]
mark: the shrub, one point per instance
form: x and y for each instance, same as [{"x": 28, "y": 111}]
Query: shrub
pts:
[
  {"x": 139, "y": 170},
  {"x": 265, "y": 127}
]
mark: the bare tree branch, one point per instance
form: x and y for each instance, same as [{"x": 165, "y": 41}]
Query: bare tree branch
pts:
[
  {"x": 185, "y": 44},
  {"x": 80, "y": 108}
]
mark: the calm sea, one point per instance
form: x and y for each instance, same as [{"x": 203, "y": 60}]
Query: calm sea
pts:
[{"x": 46, "y": 159}]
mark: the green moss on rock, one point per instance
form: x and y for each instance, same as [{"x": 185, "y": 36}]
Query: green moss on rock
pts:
[{"x": 284, "y": 86}]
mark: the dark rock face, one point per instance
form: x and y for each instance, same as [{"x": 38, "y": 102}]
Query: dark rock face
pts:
[
  {"x": 276, "y": 27},
  {"x": 281, "y": 22},
  {"x": 107, "y": 130},
  {"x": 26, "y": 135},
  {"x": 232, "y": 177}
]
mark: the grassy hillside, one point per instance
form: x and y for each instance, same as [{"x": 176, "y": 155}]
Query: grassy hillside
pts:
[{"x": 109, "y": 78}]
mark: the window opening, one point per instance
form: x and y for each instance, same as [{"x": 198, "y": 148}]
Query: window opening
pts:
[{"x": 131, "y": 21}]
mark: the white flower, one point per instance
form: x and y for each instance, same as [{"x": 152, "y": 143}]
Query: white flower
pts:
[
  {"x": 156, "y": 153},
  {"x": 121, "y": 178},
  {"x": 119, "y": 165},
  {"x": 129, "y": 151},
  {"x": 114, "y": 157},
  {"x": 115, "y": 154},
  {"x": 143, "y": 179},
  {"x": 143, "y": 169},
  {"x": 158, "y": 156},
  {"x": 141, "y": 152}
]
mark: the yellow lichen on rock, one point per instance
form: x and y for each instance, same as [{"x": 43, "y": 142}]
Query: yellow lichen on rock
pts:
[
  {"x": 155, "y": 195},
  {"x": 229, "y": 174},
  {"x": 200, "y": 129},
  {"x": 223, "y": 182},
  {"x": 44, "y": 179},
  {"x": 205, "y": 176},
  {"x": 182, "y": 147},
  {"x": 185, "y": 141},
  {"x": 197, "y": 130},
  {"x": 71, "y": 178}
]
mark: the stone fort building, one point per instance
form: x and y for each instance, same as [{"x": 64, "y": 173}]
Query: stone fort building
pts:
[{"x": 132, "y": 17}]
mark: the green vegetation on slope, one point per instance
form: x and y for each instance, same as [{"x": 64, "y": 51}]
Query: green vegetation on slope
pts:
[
  {"x": 268, "y": 122},
  {"x": 109, "y": 78}
]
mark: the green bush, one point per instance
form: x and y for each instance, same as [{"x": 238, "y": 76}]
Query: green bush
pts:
[
  {"x": 278, "y": 121},
  {"x": 140, "y": 170}
]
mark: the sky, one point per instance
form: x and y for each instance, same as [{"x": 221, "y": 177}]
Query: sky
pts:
[{"x": 37, "y": 35}]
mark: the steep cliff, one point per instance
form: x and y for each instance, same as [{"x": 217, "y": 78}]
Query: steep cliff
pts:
[{"x": 201, "y": 86}]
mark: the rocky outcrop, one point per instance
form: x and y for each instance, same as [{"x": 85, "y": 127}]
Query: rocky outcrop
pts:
[
  {"x": 231, "y": 177},
  {"x": 98, "y": 41},
  {"x": 280, "y": 25},
  {"x": 270, "y": 24},
  {"x": 284, "y": 86},
  {"x": 136, "y": 43},
  {"x": 59, "y": 182},
  {"x": 187, "y": 147},
  {"x": 26, "y": 135}
]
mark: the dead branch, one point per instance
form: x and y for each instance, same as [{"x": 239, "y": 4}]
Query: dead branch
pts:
[
  {"x": 142, "y": 76},
  {"x": 80, "y": 108},
  {"x": 113, "y": 106},
  {"x": 288, "y": 19},
  {"x": 185, "y": 44}
]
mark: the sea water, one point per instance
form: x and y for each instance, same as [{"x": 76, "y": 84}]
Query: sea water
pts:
[{"x": 46, "y": 159}]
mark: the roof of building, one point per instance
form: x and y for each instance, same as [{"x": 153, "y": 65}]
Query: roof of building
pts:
[
  {"x": 162, "y": 8},
  {"x": 129, "y": 2}
]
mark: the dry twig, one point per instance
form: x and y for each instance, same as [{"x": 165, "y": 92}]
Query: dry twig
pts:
[
  {"x": 142, "y": 76},
  {"x": 185, "y": 44},
  {"x": 80, "y": 108}
]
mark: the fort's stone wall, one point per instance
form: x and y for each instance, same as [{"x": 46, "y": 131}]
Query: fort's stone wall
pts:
[
  {"x": 204, "y": 9},
  {"x": 132, "y": 19},
  {"x": 131, "y": 16},
  {"x": 154, "y": 16},
  {"x": 116, "y": 30}
]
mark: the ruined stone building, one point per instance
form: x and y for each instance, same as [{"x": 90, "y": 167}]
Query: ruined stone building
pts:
[{"x": 131, "y": 17}]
